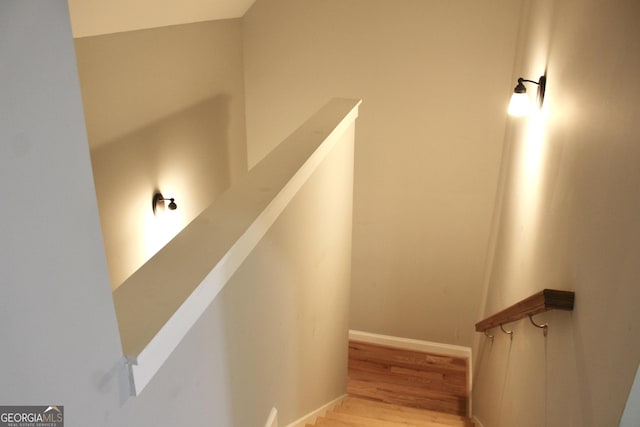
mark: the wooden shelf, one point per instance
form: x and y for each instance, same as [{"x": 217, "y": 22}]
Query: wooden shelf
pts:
[{"x": 545, "y": 300}]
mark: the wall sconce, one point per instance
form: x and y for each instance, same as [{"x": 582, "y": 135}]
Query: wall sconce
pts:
[
  {"x": 519, "y": 104},
  {"x": 158, "y": 198}
]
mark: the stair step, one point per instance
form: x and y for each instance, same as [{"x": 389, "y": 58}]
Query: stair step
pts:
[
  {"x": 417, "y": 397},
  {"x": 408, "y": 377},
  {"x": 397, "y": 413},
  {"x": 390, "y": 387},
  {"x": 338, "y": 419},
  {"x": 329, "y": 422},
  {"x": 374, "y": 421}
]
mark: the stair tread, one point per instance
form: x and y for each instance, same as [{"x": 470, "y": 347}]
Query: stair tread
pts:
[
  {"x": 329, "y": 422},
  {"x": 356, "y": 420},
  {"x": 390, "y": 412},
  {"x": 373, "y": 421},
  {"x": 417, "y": 397},
  {"x": 354, "y": 400}
]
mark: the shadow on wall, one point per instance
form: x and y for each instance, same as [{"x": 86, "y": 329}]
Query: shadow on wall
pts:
[{"x": 184, "y": 155}]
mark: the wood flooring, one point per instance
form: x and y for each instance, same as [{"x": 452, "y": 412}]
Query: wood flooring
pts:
[
  {"x": 357, "y": 412},
  {"x": 408, "y": 378},
  {"x": 390, "y": 387}
]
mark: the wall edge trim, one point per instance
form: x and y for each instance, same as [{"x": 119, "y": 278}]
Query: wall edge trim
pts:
[
  {"x": 310, "y": 418},
  {"x": 477, "y": 421},
  {"x": 272, "y": 419}
]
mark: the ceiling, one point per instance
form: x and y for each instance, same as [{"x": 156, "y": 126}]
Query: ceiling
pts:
[{"x": 96, "y": 17}]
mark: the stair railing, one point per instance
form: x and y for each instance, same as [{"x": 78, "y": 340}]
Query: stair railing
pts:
[{"x": 545, "y": 300}]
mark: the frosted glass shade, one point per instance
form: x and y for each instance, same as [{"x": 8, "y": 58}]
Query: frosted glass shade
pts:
[{"x": 519, "y": 104}]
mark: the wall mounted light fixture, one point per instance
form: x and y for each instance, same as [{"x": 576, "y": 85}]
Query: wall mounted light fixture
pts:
[
  {"x": 158, "y": 198},
  {"x": 520, "y": 105}
]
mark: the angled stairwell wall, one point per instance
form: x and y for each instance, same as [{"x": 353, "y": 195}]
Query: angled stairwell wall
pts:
[{"x": 569, "y": 221}]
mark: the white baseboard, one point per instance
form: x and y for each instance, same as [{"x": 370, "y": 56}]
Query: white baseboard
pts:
[
  {"x": 272, "y": 420},
  {"x": 310, "y": 418},
  {"x": 477, "y": 422},
  {"x": 411, "y": 344}
]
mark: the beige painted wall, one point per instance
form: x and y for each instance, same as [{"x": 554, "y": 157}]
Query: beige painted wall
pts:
[
  {"x": 569, "y": 220},
  {"x": 164, "y": 111},
  {"x": 284, "y": 315},
  {"x": 435, "y": 79}
]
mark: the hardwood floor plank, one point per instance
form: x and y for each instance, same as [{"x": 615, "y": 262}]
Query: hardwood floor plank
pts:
[
  {"x": 389, "y": 369},
  {"x": 442, "y": 385},
  {"x": 368, "y": 404},
  {"x": 408, "y": 377},
  {"x": 436, "y": 403},
  {"x": 406, "y": 358},
  {"x": 328, "y": 422},
  {"x": 390, "y": 387},
  {"x": 420, "y": 418},
  {"x": 367, "y": 421}
]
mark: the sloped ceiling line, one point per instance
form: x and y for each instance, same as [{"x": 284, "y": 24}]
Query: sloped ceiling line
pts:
[{"x": 98, "y": 17}]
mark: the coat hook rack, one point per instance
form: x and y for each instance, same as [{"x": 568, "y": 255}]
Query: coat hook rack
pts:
[
  {"x": 544, "y": 327},
  {"x": 506, "y": 332},
  {"x": 488, "y": 335},
  {"x": 545, "y": 300}
]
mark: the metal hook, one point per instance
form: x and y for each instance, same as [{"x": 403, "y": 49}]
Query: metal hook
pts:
[
  {"x": 488, "y": 335},
  {"x": 506, "y": 332},
  {"x": 544, "y": 327}
]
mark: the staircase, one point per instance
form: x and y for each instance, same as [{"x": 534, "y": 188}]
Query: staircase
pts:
[
  {"x": 391, "y": 387},
  {"x": 357, "y": 412},
  {"x": 408, "y": 378}
]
